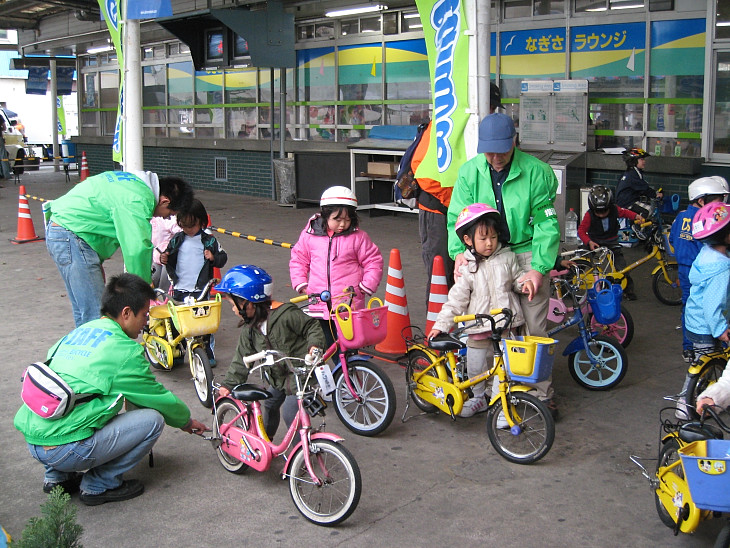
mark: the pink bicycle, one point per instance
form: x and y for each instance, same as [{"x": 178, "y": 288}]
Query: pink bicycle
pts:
[
  {"x": 364, "y": 397},
  {"x": 324, "y": 478}
]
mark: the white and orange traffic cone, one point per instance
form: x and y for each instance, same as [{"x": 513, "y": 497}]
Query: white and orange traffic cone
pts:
[
  {"x": 84, "y": 173},
  {"x": 438, "y": 291},
  {"x": 26, "y": 231},
  {"x": 398, "y": 318}
]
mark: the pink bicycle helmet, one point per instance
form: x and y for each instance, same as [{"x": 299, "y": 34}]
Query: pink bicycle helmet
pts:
[
  {"x": 470, "y": 214},
  {"x": 710, "y": 219}
]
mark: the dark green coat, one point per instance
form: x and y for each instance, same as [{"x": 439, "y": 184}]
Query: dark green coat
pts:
[{"x": 290, "y": 331}]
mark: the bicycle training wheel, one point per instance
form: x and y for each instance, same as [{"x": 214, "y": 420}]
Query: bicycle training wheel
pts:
[
  {"x": 622, "y": 329},
  {"x": 156, "y": 354},
  {"x": 668, "y": 454},
  {"x": 202, "y": 376},
  {"x": 709, "y": 374},
  {"x": 533, "y": 434},
  {"x": 418, "y": 360},
  {"x": 226, "y": 409},
  {"x": 610, "y": 367},
  {"x": 373, "y": 409},
  {"x": 336, "y": 498},
  {"x": 667, "y": 293}
]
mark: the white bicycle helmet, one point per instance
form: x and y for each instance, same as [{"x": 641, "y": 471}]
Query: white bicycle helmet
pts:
[
  {"x": 338, "y": 195},
  {"x": 708, "y": 186}
]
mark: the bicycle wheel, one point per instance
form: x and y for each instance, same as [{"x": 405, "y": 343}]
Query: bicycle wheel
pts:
[
  {"x": 583, "y": 279},
  {"x": 622, "y": 330},
  {"x": 418, "y": 360},
  {"x": 708, "y": 375},
  {"x": 533, "y": 434},
  {"x": 374, "y": 408},
  {"x": 667, "y": 293},
  {"x": 225, "y": 411},
  {"x": 202, "y": 376},
  {"x": 336, "y": 498},
  {"x": 667, "y": 455},
  {"x": 723, "y": 538},
  {"x": 609, "y": 369}
]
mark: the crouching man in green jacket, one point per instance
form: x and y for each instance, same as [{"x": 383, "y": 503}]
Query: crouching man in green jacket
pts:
[{"x": 102, "y": 357}]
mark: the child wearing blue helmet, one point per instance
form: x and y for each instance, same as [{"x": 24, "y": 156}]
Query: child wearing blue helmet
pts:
[{"x": 266, "y": 325}]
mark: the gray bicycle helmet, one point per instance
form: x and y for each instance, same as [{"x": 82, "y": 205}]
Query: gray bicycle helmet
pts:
[{"x": 600, "y": 197}]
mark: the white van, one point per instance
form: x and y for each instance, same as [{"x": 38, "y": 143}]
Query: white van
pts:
[{"x": 13, "y": 139}]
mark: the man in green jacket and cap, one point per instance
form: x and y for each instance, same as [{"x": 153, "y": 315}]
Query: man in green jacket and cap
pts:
[
  {"x": 106, "y": 212},
  {"x": 102, "y": 358}
]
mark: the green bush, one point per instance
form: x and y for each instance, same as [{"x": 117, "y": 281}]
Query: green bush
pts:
[{"x": 57, "y": 528}]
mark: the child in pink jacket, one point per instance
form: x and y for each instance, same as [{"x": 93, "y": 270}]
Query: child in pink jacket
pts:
[{"x": 332, "y": 253}]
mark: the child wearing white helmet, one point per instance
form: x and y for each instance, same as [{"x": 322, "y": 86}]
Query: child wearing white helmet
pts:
[
  {"x": 333, "y": 253},
  {"x": 488, "y": 280},
  {"x": 707, "y": 317},
  {"x": 702, "y": 191}
]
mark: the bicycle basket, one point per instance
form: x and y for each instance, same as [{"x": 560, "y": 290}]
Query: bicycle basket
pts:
[
  {"x": 529, "y": 359},
  {"x": 200, "y": 318},
  {"x": 358, "y": 328},
  {"x": 707, "y": 469},
  {"x": 605, "y": 301}
]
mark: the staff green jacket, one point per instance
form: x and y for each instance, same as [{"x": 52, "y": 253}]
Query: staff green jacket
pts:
[
  {"x": 290, "y": 331},
  {"x": 99, "y": 358},
  {"x": 109, "y": 211},
  {"x": 528, "y": 195}
]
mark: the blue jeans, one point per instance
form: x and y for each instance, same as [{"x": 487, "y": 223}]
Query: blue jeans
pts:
[
  {"x": 109, "y": 453},
  {"x": 80, "y": 268}
]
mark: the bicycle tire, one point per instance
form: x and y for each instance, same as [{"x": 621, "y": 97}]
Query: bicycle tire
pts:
[
  {"x": 156, "y": 354},
  {"x": 622, "y": 330},
  {"x": 583, "y": 279},
  {"x": 723, "y": 538},
  {"x": 418, "y": 360},
  {"x": 202, "y": 376},
  {"x": 669, "y": 294},
  {"x": 533, "y": 435},
  {"x": 338, "y": 496},
  {"x": 708, "y": 375},
  {"x": 610, "y": 370},
  {"x": 375, "y": 412},
  {"x": 226, "y": 409},
  {"x": 668, "y": 454}
]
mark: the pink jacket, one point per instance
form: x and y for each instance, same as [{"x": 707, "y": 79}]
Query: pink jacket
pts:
[
  {"x": 162, "y": 232},
  {"x": 319, "y": 262}
]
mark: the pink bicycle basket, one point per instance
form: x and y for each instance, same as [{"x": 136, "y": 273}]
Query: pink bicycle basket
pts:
[{"x": 358, "y": 328}]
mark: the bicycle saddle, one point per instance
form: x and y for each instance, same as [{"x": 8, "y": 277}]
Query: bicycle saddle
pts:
[
  {"x": 694, "y": 431},
  {"x": 445, "y": 342},
  {"x": 250, "y": 392}
]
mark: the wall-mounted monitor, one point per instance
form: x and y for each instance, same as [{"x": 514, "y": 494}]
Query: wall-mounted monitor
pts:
[
  {"x": 240, "y": 46},
  {"x": 215, "y": 45}
]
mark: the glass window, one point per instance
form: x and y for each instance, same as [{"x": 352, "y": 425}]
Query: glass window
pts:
[
  {"x": 722, "y": 23},
  {"x": 305, "y": 32},
  {"x": 242, "y": 123},
  {"x": 316, "y": 86},
  {"x": 241, "y": 85},
  {"x": 90, "y": 96},
  {"x": 109, "y": 89},
  {"x": 583, "y": 6},
  {"x": 349, "y": 26},
  {"x": 153, "y": 86},
  {"x": 180, "y": 83},
  {"x": 517, "y": 8},
  {"x": 411, "y": 21},
  {"x": 370, "y": 24},
  {"x": 549, "y": 7},
  {"x": 625, "y": 4},
  {"x": 390, "y": 23},
  {"x": 324, "y": 30},
  {"x": 721, "y": 118}
]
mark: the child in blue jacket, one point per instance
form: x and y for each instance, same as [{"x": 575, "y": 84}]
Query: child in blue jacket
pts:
[{"x": 702, "y": 191}]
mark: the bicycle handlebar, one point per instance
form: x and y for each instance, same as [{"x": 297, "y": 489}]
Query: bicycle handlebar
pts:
[
  {"x": 708, "y": 410},
  {"x": 248, "y": 360},
  {"x": 507, "y": 319}
]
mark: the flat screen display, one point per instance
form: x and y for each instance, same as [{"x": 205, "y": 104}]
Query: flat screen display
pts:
[
  {"x": 240, "y": 46},
  {"x": 214, "y": 39}
]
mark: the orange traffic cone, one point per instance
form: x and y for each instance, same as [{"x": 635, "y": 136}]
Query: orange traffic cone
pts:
[
  {"x": 26, "y": 231},
  {"x": 438, "y": 291},
  {"x": 84, "y": 173},
  {"x": 398, "y": 317}
]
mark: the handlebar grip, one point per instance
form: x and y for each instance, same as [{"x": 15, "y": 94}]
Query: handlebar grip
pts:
[
  {"x": 465, "y": 318},
  {"x": 248, "y": 360},
  {"x": 496, "y": 311},
  {"x": 645, "y": 224},
  {"x": 299, "y": 299}
]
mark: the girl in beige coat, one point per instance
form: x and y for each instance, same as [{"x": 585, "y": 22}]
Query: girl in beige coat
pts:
[{"x": 488, "y": 280}]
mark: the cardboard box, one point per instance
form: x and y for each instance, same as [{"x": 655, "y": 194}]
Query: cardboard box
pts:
[{"x": 383, "y": 169}]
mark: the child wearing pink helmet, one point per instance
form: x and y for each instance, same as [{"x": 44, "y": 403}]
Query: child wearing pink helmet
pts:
[
  {"x": 488, "y": 280},
  {"x": 706, "y": 314}
]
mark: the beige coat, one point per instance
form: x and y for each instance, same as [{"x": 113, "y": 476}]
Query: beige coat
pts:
[{"x": 483, "y": 286}]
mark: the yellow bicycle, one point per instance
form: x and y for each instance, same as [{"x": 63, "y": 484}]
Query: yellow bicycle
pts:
[{"x": 436, "y": 380}]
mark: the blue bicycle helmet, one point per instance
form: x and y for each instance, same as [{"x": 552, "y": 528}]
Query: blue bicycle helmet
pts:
[{"x": 248, "y": 282}]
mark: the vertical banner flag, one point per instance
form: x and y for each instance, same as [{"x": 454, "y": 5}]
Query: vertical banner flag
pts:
[
  {"x": 111, "y": 11},
  {"x": 61, "y": 116},
  {"x": 444, "y": 24}
]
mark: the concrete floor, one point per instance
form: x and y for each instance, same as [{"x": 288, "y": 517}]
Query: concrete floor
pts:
[{"x": 429, "y": 481}]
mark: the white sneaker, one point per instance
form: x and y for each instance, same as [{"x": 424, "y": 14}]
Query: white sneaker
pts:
[
  {"x": 502, "y": 423},
  {"x": 683, "y": 410},
  {"x": 473, "y": 406}
]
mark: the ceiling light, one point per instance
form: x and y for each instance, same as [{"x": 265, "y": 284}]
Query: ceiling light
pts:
[
  {"x": 100, "y": 49},
  {"x": 355, "y": 10},
  {"x": 411, "y": 15}
]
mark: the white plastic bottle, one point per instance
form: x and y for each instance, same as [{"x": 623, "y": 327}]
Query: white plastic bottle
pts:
[{"x": 571, "y": 228}]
